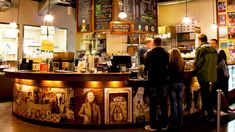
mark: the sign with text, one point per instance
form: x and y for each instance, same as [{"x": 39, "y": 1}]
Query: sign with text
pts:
[
  {"x": 47, "y": 45},
  {"x": 118, "y": 27}
]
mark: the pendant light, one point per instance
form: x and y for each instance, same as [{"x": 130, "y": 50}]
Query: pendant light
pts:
[
  {"x": 213, "y": 25},
  {"x": 13, "y": 23},
  {"x": 122, "y": 15},
  {"x": 186, "y": 19},
  {"x": 48, "y": 17}
]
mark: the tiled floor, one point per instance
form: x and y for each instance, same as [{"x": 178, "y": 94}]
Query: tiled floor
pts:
[{"x": 9, "y": 123}]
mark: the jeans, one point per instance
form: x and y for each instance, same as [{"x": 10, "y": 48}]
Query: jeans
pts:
[
  {"x": 176, "y": 97},
  {"x": 206, "y": 98},
  {"x": 158, "y": 93}
]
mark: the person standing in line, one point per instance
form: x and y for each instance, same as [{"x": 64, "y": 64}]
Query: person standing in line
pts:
[
  {"x": 205, "y": 67},
  {"x": 222, "y": 74},
  {"x": 215, "y": 44},
  {"x": 143, "y": 51},
  {"x": 156, "y": 66},
  {"x": 176, "y": 70}
]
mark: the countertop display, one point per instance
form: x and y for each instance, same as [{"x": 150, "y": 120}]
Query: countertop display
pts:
[{"x": 80, "y": 99}]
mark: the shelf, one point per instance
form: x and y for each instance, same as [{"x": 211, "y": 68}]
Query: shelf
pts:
[{"x": 185, "y": 40}]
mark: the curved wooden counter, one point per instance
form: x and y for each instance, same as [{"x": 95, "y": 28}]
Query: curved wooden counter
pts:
[{"x": 80, "y": 100}]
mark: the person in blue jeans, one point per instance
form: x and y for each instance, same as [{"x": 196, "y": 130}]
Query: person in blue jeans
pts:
[
  {"x": 156, "y": 66},
  {"x": 176, "y": 70}
]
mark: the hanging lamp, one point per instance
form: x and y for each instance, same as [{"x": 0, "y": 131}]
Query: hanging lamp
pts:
[
  {"x": 186, "y": 19},
  {"x": 213, "y": 25},
  {"x": 122, "y": 15},
  {"x": 48, "y": 17}
]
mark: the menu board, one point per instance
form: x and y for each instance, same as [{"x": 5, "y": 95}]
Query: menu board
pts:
[
  {"x": 144, "y": 15},
  {"x": 148, "y": 15},
  {"x": 103, "y": 14},
  {"x": 119, "y": 27},
  {"x": 84, "y": 15}
]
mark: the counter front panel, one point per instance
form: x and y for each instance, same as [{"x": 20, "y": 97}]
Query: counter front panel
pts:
[{"x": 80, "y": 103}]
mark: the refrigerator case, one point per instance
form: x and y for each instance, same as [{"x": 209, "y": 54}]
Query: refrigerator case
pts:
[{"x": 231, "y": 77}]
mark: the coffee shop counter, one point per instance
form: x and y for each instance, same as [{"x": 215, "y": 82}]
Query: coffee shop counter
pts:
[
  {"x": 79, "y": 99},
  {"x": 5, "y": 87}
]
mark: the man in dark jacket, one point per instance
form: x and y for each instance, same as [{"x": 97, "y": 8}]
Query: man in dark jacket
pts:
[
  {"x": 205, "y": 67},
  {"x": 156, "y": 66}
]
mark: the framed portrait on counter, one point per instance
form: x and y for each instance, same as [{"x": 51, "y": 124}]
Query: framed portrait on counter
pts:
[
  {"x": 221, "y": 6},
  {"x": 89, "y": 106},
  {"x": 118, "y": 105},
  {"x": 222, "y": 19},
  {"x": 140, "y": 105}
]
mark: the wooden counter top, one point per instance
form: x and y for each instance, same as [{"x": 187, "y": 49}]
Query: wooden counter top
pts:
[{"x": 68, "y": 76}]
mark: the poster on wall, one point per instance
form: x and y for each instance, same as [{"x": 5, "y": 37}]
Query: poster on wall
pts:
[
  {"x": 231, "y": 18},
  {"x": 223, "y": 33},
  {"x": 231, "y": 33},
  {"x": 231, "y": 51},
  {"x": 44, "y": 103},
  {"x": 221, "y": 6},
  {"x": 118, "y": 105},
  {"x": 222, "y": 19},
  {"x": 223, "y": 45},
  {"x": 89, "y": 106},
  {"x": 231, "y": 5},
  {"x": 140, "y": 105},
  {"x": 83, "y": 15}
]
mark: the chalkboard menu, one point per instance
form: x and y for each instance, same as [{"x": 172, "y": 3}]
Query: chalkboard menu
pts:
[
  {"x": 103, "y": 14},
  {"x": 84, "y": 15},
  {"x": 144, "y": 16},
  {"x": 119, "y": 27}
]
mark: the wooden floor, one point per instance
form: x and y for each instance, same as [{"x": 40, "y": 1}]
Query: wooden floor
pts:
[{"x": 9, "y": 123}]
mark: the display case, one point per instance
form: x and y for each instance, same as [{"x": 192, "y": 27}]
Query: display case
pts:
[
  {"x": 231, "y": 82},
  {"x": 33, "y": 36},
  {"x": 8, "y": 43}
]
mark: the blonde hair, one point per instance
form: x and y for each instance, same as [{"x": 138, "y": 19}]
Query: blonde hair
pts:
[{"x": 176, "y": 59}]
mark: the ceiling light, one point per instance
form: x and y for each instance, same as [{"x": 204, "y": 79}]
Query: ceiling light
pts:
[
  {"x": 214, "y": 26},
  {"x": 122, "y": 15},
  {"x": 48, "y": 18},
  {"x": 186, "y": 20},
  {"x": 13, "y": 24}
]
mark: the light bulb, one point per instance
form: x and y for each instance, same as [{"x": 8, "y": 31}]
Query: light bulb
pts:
[
  {"x": 214, "y": 26},
  {"x": 48, "y": 18},
  {"x": 122, "y": 15},
  {"x": 13, "y": 24},
  {"x": 186, "y": 20}
]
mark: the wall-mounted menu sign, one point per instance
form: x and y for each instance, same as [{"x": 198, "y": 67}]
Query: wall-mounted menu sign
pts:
[
  {"x": 119, "y": 27},
  {"x": 83, "y": 15},
  {"x": 145, "y": 18},
  {"x": 103, "y": 14}
]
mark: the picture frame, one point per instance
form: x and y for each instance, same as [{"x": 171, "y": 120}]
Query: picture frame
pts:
[
  {"x": 222, "y": 19},
  {"x": 231, "y": 18},
  {"x": 221, "y": 6},
  {"x": 230, "y": 5},
  {"x": 118, "y": 105},
  {"x": 89, "y": 100}
]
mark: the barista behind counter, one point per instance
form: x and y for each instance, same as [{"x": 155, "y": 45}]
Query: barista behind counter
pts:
[{"x": 143, "y": 51}]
